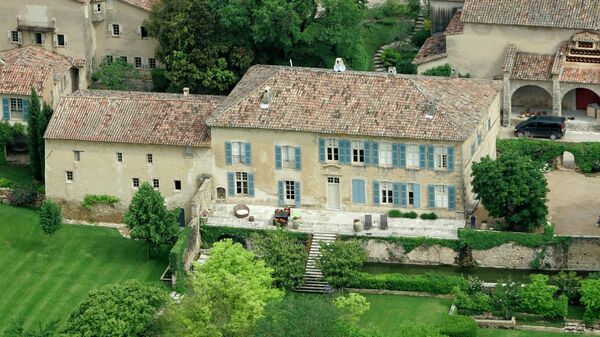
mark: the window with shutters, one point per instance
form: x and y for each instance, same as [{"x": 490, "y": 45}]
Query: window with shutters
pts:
[
  {"x": 288, "y": 157},
  {"x": 333, "y": 150},
  {"x": 151, "y": 63},
  {"x": 387, "y": 192},
  {"x": 69, "y": 176},
  {"x": 15, "y": 37},
  {"x": 412, "y": 156},
  {"x": 61, "y": 40},
  {"x": 108, "y": 59},
  {"x": 143, "y": 32},
  {"x": 441, "y": 158},
  {"x": 238, "y": 152},
  {"x": 137, "y": 62},
  {"x": 116, "y": 30},
  {"x": 38, "y": 38},
  {"x": 290, "y": 192},
  {"x": 135, "y": 182},
  {"x": 441, "y": 196},
  {"x": 156, "y": 183},
  {"x": 385, "y": 154},
  {"x": 410, "y": 194},
  {"x": 358, "y": 152},
  {"x": 16, "y": 108},
  {"x": 241, "y": 183}
]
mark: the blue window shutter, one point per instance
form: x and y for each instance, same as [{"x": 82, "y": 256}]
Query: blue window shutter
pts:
[
  {"x": 417, "y": 195},
  {"x": 375, "y": 153},
  {"x": 248, "y": 154},
  {"x": 354, "y": 191},
  {"x": 5, "y": 108},
  {"x": 344, "y": 151},
  {"x": 451, "y": 197},
  {"x": 430, "y": 196},
  {"x": 430, "y": 153},
  {"x": 402, "y": 155},
  {"x": 395, "y": 152},
  {"x": 450, "y": 158},
  {"x": 361, "y": 191},
  {"x": 422, "y": 156},
  {"x": 403, "y": 195},
  {"x": 298, "y": 158},
  {"x": 278, "y": 157},
  {"x": 396, "y": 194},
  {"x": 298, "y": 201},
  {"x": 321, "y": 150},
  {"x": 25, "y": 109},
  {"x": 251, "y": 184},
  {"x": 230, "y": 184},
  {"x": 375, "y": 192},
  {"x": 280, "y": 196},
  {"x": 367, "y": 146},
  {"x": 358, "y": 191},
  {"x": 227, "y": 153}
]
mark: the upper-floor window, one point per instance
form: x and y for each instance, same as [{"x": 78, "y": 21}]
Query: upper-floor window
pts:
[
  {"x": 16, "y": 108},
  {"x": 412, "y": 156},
  {"x": 98, "y": 7},
  {"x": 76, "y": 155},
  {"x": 38, "y": 38},
  {"x": 151, "y": 63},
  {"x": 108, "y": 59},
  {"x": 288, "y": 156},
  {"x": 16, "y": 37},
  {"x": 441, "y": 157},
  {"x": 116, "y": 29},
  {"x": 333, "y": 150},
  {"x": 137, "y": 62},
  {"x": 177, "y": 185},
  {"x": 358, "y": 152},
  {"x": 143, "y": 32},
  {"x": 238, "y": 152},
  {"x": 156, "y": 183},
  {"x": 385, "y": 154},
  {"x": 60, "y": 40},
  {"x": 387, "y": 192},
  {"x": 149, "y": 158},
  {"x": 119, "y": 157},
  {"x": 69, "y": 176}
]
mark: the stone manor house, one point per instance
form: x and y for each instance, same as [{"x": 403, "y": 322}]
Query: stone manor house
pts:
[
  {"x": 285, "y": 136},
  {"x": 547, "y": 53}
]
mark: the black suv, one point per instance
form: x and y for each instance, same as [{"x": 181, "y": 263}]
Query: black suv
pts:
[{"x": 542, "y": 126}]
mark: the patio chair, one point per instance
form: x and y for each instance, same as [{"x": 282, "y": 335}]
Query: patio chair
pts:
[
  {"x": 383, "y": 221},
  {"x": 368, "y": 221}
]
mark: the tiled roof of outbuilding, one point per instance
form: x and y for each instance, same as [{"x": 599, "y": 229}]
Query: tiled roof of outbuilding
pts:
[
  {"x": 357, "y": 103},
  {"x": 455, "y": 26},
  {"x": 434, "y": 48},
  {"x": 570, "y": 14},
  {"x": 133, "y": 117},
  {"x": 143, "y": 4},
  {"x": 532, "y": 67},
  {"x": 19, "y": 79},
  {"x": 588, "y": 75},
  {"x": 35, "y": 56}
]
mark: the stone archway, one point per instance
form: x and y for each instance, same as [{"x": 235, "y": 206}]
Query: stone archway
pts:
[
  {"x": 531, "y": 99},
  {"x": 575, "y": 102},
  {"x": 567, "y": 161}
]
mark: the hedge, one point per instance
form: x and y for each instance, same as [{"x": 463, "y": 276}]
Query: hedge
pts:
[
  {"x": 177, "y": 255},
  {"x": 394, "y": 213},
  {"x": 410, "y": 243},
  {"x": 93, "y": 199},
  {"x": 433, "y": 283},
  {"x": 212, "y": 234},
  {"x": 481, "y": 240},
  {"x": 458, "y": 326}
]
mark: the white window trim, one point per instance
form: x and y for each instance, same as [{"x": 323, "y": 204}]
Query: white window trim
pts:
[
  {"x": 440, "y": 158},
  {"x": 19, "y": 37},
  {"x": 243, "y": 180},
  {"x": 412, "y": 156},
  {"x": 65, "y": 41},
  {"x": 441, "y": 196},
  {"x": 334, "y": 145},
  {"x": 135, "y": 59},
  {"x": 288, "y": 157},
  {"x": 238, "y": 152},
  {"x": 69, "y": 181},
  {"x": 157, "y": 181},
  {"x": 357, "y": 145},
  {"x": 386, "y": 192},
  {"x": 289, "y": 187},
  {"x": 112, "y": 30},
  {"x": 97, "y": 8},
  {"x": 385, "y": 154},
  {"x": 133, "y": 184}
]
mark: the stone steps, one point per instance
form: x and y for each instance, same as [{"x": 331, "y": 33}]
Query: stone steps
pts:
[
  {"x": 313, "y": 281},
  {"x": 378, "y": 63}
]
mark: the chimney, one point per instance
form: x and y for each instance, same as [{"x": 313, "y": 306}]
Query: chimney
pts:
[
  {"x": 339, "y": 65},
  {"x": 392, "y": 71},
  {"x": 265, "y": 99},
  {"x": 430, "y": 108},
  {"x": 186, "y": 91},
  {"x": 453, "y": 73}
]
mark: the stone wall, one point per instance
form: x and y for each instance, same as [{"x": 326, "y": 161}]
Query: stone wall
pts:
[
  {"x": 5, "y": 194},
  {"x": 192, "y": 247},
  {"x": 202, "y": 200},
  {"x": 390, "y": 252},
  {"x": 97, "y": 213}
]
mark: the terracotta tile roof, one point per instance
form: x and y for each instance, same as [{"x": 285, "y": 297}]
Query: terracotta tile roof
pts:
[
  {"x": 143, "y": 4},
  {"x": 571, "y": 14},
  {"x": 36, "y": 56},
  {"x": 356, "y": 103},
  {"x": 19, "y": 79},
  {"x": 587, "y": 37},
  {"x": 559, "y": 58},
  {"x": 133, "y": 117},
  {"x": 589, "y": 75},
  {"x": 532, "y": 67},
  {"x": 434, "y": 48},
  {"x": 455, "y": 26},
  {"x": 509, "y": 59}
]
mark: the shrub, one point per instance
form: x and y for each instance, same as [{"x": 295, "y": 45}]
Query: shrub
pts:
[
  {"x": 505, "y": 298},
  {"x": 394, "y": 213},
  {"x": 428, "y": 216},
  {"x": 177, "y": 256},
  {"x": 41, "y": 189},
  {"x": 419, "y": 37},
  {"x": 458, "y": 326},
  {"x": 160, "y": 82},
  {"x": 477, "y": 302},
  {"x": 23, "y": 195},
  {"x": 393, "y": 8},
  {"x": 390, "y": 57},
  {"x": 352, "y": 307},
  {"x": 483, "y": 240},
  {"x": 414, "y": 6},
  {"x": 590, "y": 298},
  {"x": 212, "y": 234},
  {"x": 568, "y": 283},
  {"x": 340, "y": 260},
  {"x": 434, "y": 283},
  {"x": 93, "y": 199},
  {"x": 443, "y": 70},
  {"x": 537, "y": 297},
  {"x": 5, "y": 182}
]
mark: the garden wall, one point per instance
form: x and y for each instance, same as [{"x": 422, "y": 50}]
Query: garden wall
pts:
[{"x": 112, "y": 213}]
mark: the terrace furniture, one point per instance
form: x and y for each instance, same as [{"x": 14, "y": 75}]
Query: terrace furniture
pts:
[
  {"x": 241, "y": 211},
  {"x": 281, "y": 217},
  {"x": 383, "y": 221},
  {"x": 368, "y": 221}
]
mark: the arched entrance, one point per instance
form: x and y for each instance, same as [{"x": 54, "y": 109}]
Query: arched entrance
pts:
[
  {"x": 576, "y": 101},
  {"x": 531, "y": 99},
  {"x": 567, "y": 161}
]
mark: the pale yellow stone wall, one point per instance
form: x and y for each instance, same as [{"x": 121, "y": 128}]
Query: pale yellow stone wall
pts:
[{"x": 98, "y": 171}]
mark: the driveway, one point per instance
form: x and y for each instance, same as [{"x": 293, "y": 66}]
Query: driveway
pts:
[
  {"x": 574, "y": 202},
  {"x": 570, "y": 136}
]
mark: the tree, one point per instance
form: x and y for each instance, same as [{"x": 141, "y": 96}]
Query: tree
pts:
[
  {"x": 538, "y": 297},
  {"x": 116, "y": 310},
  {"x": 7, "y": 135},
  {"x": 32, "y": 135},
  {"x": 42, "y": 124},
  {"x": 115, "y": 75},
  {"x": 50, "y": 219},
  {"x": 227, "y": 295},
  {"x": 17, "y": 329},
  {"x": 568, "y": 283},
  {"x": 590, "y": 298},
  {"x": 514, "y": 188},
  {"x": 149, "y": 220},
  {"x": 340, "y": 259},
  {"x": 285, "y": 254},
  {"x": 352, "y": 307}
]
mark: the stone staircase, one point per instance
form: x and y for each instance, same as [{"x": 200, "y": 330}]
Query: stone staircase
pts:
[
  {"x": 574, "y": 326},
  {"x": 313, "y": 278},
  {"x": 378, "y": 63}
]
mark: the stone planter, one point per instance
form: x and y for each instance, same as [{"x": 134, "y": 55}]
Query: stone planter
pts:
[{"x": 357, "y": 226}]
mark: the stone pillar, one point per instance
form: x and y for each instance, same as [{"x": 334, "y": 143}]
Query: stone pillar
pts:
[
  {"x": 556, "y": 97},
  {"x": 507, "y": 101}
]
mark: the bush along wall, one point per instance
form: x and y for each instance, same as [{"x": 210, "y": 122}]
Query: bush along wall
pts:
[
  {"x": 177, "y": 258},
  {"x": 212, "y": 234},
  {"x": 433, "y": 283}
]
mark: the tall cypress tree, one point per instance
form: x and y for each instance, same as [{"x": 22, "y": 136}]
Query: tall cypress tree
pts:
[
  {"x": 42, "y": 124},
  {"x": 32, "y": 135}
]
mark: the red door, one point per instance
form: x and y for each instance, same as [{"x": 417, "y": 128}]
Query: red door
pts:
[{"x": 585, "y": 97}]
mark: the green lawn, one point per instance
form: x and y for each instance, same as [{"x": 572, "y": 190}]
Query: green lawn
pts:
[
  {"x": 518, "y": 333},
  {"x": 19, "y": 174},
  {"x": 40, "y": 287}
]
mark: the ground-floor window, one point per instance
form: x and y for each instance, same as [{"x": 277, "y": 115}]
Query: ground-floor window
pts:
[
  {"x": 387, "y": 192},
  {"x": 290, "y": 192},
  {"x": 441, "y": 196},
  {"x": 410, "y": 194},
  {"x": 241, "y": 183}
]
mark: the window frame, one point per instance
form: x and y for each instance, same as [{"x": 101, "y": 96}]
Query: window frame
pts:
[
  {"x": 241, "y": 183},
  {"x": 410, "y": 195},
  {"x": 441, "y": 196},
  {"x": 288, "y": 157},
  {"x": 332, "y": 150},
  {"x": 135, "y": 62},
  {"x": 289, "y": 192},
  {"x": 64, "y": 40},
  {"x": 16, "y": 34},
  {"x": 149, "y": 158},
  {"x": 143, "y": 30},
  {"x": 412, "y": 156},
  {"x": 440, "y": 158},
  {"x": 386, "y": 192},
  {"x": 385, "y": 154},
  {"x": 42, "y": 39},
  {"x": 135, "y": 182},
  {"x": 175, "y": 183},
  {"x": 77, "y": 155},
  {"x": 69, "y": 176},
  {"x": 357, "y": 149},
  {"x": 116, "y": 30},
  {"x": 151, "y": 63},
  {"x": 16, "y": 108},
  {"x": 109, "y": 59},
  {"x": 156, "y": 183},
  {"x": 119, "y": 157},
  {"x": 238, "y": 152},
  {"x": 98, "y": 8}
]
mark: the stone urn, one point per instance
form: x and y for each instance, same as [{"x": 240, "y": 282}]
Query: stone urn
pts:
[
  {"x": 357, "y": 226},
  {"x": 296, "y": 222}
]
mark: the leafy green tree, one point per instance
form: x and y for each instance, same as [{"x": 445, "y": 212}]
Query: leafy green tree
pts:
[
  {"x": 285, "y": 254},
  {"x": 352, "y": 307},
  {"x": 16, "y": 329},
  {"x": 227, "y": 295},
  {"x": 514, "y": 188},
  {"x": 538, "y": 297},
  {"x": 149, "y": 220},
  {"x": 32, "y": 135},
  {"x": 340, "y": 259},
  {"x": 568, "y": 283},
  {"x": 506, "y": 298},
  {"x": 116, "y": 310},
  {"x": 115, "y": 75},
  {"x": 590, "y": 298},
  {"x": 50, "y": 219}
]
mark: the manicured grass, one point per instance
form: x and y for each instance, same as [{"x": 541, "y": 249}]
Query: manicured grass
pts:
[
  {"x": 518, "y": 333},
  {"x": 40, "y": 288},
  {"x": 19, "y": 174}
]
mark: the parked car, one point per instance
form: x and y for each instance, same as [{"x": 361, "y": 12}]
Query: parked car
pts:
[{"x": 542, "y": 126}]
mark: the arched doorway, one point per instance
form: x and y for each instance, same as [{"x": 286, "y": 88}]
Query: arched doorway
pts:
[
  {"x": 531, "y": 99},
  {"x": 576, "y": 101}
]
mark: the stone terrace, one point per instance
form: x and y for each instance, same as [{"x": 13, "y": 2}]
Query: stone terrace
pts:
[{"x": 328, "y": 221}]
